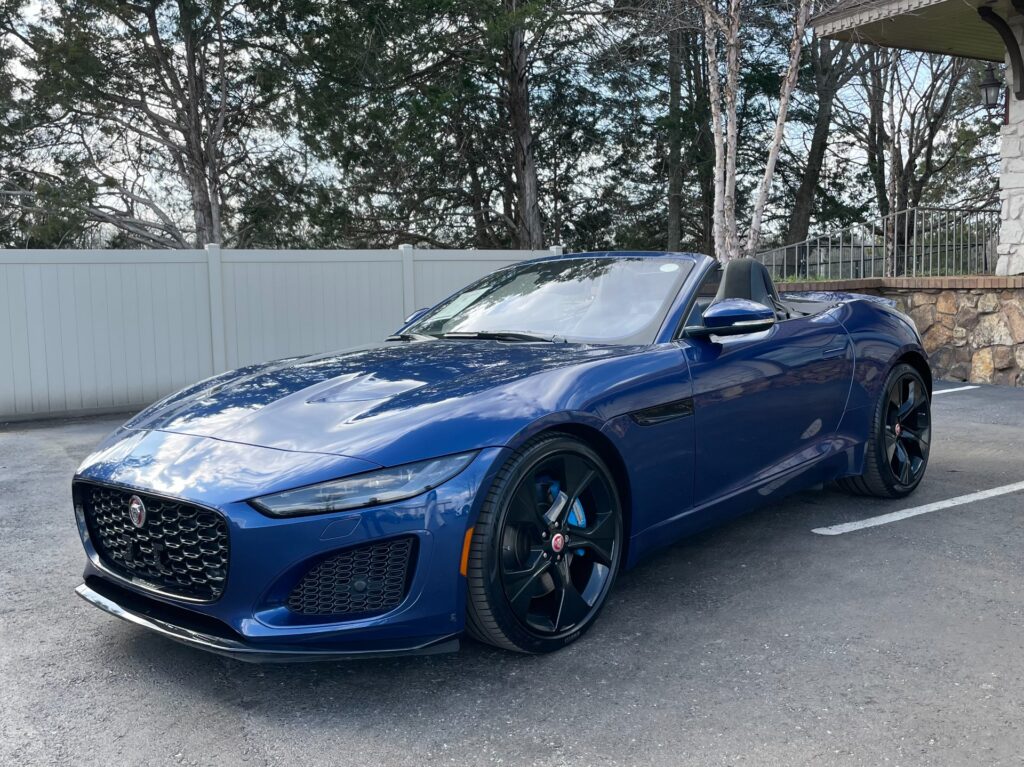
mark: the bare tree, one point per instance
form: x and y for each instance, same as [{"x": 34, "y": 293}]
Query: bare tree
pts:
[{"x": 907, "y": 118}]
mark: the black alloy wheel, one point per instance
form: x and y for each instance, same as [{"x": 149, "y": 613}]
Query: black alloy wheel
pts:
[
  {"x": 896, "y": 454},
  {"x": 546, "y": 548},
  {"x": 907, "y": 429}
]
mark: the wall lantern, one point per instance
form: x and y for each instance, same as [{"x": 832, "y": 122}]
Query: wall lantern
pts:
[
  {"x": 998, "y": 23},
  {"x": 991, "y": 88}
]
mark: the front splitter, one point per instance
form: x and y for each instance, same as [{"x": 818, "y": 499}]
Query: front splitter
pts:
[{"x": 233, "y": 648}]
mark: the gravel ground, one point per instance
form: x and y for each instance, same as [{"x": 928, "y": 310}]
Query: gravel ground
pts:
[{"x": 757, "y": 643}]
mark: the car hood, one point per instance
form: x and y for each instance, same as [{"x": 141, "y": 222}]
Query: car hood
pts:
[{"x": 385, "y": 404}]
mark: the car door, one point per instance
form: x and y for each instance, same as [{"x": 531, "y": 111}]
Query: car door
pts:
[{"x": 767, "y": 402}]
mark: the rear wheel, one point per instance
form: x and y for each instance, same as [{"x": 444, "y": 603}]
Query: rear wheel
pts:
[
  {"x": 897, "y": 452},
  {"x": 545, "y": 549}
]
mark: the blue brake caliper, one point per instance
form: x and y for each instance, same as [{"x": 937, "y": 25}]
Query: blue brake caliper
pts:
[{"x": 577, "y": 517}]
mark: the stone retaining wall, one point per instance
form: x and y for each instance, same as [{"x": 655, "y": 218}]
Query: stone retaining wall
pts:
[{"x": 972, "y": 327}]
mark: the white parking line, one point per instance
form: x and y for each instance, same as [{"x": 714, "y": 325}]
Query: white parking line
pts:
[
  {"x": 896, "y": 516},
  {"x": 950, "y": 391}
]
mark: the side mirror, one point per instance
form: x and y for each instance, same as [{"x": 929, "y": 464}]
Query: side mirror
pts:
[
  {"x": 416, "y": 315},
  {"x": 733, "y": 317}
]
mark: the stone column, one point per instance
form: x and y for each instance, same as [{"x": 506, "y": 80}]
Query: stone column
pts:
[{"x": 1010, "y": 249}]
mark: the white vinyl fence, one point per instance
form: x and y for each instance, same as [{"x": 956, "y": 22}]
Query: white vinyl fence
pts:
[{"x": 102, "y": 330}]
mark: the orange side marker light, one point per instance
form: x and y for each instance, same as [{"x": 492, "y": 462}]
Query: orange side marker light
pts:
[{"x": 465, "y": 552}]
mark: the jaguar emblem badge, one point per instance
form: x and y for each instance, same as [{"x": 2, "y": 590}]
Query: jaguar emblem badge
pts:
[
  {"x": 136, "y": 511},
  {"x": 557, "y": 543}
]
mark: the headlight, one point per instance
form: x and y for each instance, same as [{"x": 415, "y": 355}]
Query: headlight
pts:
[{"x": 370, "y": 489}]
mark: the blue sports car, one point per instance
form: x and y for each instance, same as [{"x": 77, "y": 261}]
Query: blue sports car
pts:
[{"x": 491, "y": 467}]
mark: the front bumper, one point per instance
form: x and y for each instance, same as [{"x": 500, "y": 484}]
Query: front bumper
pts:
[
  {"x": 251, "y": 618},
  {"x": 233, "y": 648}
]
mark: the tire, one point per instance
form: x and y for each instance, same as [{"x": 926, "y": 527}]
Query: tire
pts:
[
  {"x": 896, "y": 454},
  {"x": 545, "y": 549}
]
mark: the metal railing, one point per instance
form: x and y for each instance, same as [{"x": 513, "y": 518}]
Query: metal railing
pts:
[{"x": 918, "y": 242}]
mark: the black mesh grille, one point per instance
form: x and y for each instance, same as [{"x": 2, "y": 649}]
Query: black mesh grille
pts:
[
  {"x": 362, "y": 580},
  {"x": 179, "y": 549}
]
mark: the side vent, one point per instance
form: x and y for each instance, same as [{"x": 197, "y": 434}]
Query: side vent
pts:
[{"x": 660, "y": 413}]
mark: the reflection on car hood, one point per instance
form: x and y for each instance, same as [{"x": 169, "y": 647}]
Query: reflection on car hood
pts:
[{"x": 356, "y": 402}]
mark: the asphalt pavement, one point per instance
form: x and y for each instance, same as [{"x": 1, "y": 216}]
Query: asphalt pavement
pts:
[{"x": 757, "y": 643}]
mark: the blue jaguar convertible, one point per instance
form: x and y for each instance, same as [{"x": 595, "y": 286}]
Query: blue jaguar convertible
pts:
[{"x": 491, "y": 467}]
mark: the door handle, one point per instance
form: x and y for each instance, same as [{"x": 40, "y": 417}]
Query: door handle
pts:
[{"x": 828, "y": 354}]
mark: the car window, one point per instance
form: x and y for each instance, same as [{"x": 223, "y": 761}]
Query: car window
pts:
[
  {"x": 706, "y": 292},
  {"x": 615, "y": 300}
]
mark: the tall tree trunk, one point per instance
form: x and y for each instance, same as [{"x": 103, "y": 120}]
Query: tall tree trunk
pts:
[
  {"x": 200, "y": 173},
  {"x": 705, "y": 150},
  {"x": 675, "y": 139},
  {"x": 722, "y": 95},
  {"x": 508, "y": 204},
  {"x": 531, "y": 232},
  {"x": 732, "y": 75},
  {"x": 201, "y": 213},
  {"x": 699, "y": 155},
  {"x": 803, "y": 205},
  {"x": 785, "y": 93},
  {"x": 875, "y": 87},
  {"x": 834, "y": 63},
  {"x": 711, "y": 22}
]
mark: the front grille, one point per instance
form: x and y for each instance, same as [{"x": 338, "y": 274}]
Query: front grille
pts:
[
  {"x": 359, "y": 581},
  {"x": 179, "y": 549}
]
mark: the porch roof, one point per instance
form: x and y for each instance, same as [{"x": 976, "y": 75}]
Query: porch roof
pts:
[{"x": 934, "y": 26}]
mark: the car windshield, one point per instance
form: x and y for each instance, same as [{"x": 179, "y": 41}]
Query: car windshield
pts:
[{"x": 620, "y": 300}]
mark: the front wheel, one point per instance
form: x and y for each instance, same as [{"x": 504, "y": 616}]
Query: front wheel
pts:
[
  {"x": 546, "y": 548},
  {"x": 896, "y": 455}
]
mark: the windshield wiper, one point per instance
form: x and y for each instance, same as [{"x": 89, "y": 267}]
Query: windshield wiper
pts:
[
  {"x": 503, "y": 335},
  {"x": 411, "y": 337}
]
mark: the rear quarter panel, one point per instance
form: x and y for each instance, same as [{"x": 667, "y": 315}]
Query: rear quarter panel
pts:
[{"x": 881, "y": 336}]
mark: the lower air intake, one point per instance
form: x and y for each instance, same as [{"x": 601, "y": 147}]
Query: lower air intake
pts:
[{"x": 359, "y": 581}]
